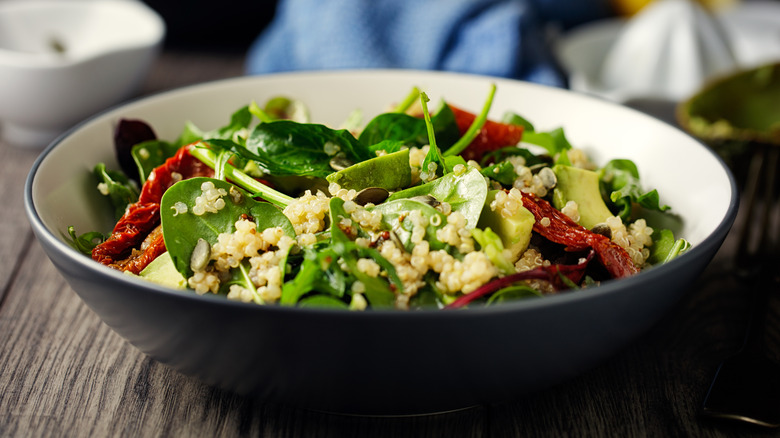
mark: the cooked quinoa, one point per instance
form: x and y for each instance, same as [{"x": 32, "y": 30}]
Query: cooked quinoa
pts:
[
  {"x": 418, "y": 244},
  {"x": 267, "y": 250}
]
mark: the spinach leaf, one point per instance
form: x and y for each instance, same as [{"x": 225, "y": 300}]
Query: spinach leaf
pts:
[
  {"x": 117, "y": 187},
  {"x": 620, "y": 178},
  {"x": 247, "y": 182},
  {"x": 409, "y": 130},
  {"x": 503, "y": 172},
  {"x": 501, "y": 154},
  {"x": 398, "y": 127},
  {"x": 181, "y": 231},
  {"x": 554, "y": 142},
  {"x": 511, "y": 118},
  {"x": 466, "y": 193},
  {"x": 388, "y": 146},
  {"x": 289, "y": 148}
]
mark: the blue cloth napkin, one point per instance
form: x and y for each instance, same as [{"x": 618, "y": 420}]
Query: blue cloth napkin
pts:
[{"x": 493, "y": 37}]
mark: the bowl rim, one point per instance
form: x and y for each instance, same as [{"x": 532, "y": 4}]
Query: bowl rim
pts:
[{"x": 710, "y": 243}]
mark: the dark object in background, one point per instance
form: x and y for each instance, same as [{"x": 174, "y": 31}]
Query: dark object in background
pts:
[{"x": 208, "y": 25}]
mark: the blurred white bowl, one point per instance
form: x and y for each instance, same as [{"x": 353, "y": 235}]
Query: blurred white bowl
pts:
[
  {"x": 61, "y": 61},
  {"x": 668, "y": 52}
]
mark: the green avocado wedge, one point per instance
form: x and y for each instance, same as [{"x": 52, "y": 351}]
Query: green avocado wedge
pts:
[{"x": 391, "y": 172}]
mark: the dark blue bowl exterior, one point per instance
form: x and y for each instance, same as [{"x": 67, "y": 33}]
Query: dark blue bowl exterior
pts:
[{"x": 379, "y": 362}]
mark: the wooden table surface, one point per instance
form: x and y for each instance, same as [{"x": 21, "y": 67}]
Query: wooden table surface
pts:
[{"x": 65, "y": 373}]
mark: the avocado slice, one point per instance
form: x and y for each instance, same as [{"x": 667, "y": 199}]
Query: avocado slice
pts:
[
  {"x": 514, "y": 231},
  {"x": 581, "y": 186},
  {"x": 391, "y": 172},
  {"x": 162, "y": 271}
]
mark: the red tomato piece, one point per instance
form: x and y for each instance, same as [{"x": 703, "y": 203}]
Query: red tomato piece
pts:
[{"x": 492, "y": 136}]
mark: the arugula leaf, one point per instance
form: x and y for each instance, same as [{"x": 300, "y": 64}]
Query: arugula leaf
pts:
[
  {"x": 240, "y": 276},
  {"x": 235, "y": 129},
  {"x": 665, "y": 247},
  {"x": 319, "y": 272},
  {"x": 620, "y": 178},
  {"x": 117, "y": 186},
  {"x": 181, "y": 231},
  {"x": 86, "y": 242},
  {"x": 377, "y": 290},
  {"x": 493, "y": 247},
  {"x": 150, "y": 154},
  {"x": 397, "y": 217}
]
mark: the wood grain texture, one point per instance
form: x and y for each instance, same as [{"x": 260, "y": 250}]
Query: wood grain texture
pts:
[
  {"x": 65, "y": 373},
  {"x": 15, "y": 232}
]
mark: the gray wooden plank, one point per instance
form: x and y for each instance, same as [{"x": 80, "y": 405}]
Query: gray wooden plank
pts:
[{"x": 15, "y": 232}]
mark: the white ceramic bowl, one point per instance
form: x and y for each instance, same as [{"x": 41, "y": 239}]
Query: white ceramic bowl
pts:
[
  {"x": 385, "y": 362},
  {"x": 62, "y": 61}
]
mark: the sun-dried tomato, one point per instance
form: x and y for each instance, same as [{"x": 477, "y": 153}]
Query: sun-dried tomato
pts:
[
  {"x": 492, "y": 136},
  {"x": 144, "y": 215},
  {"x": 559, "y": 228}
]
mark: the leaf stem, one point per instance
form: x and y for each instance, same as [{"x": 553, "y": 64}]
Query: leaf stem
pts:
[
  {"x": 434, "y": 154},
  {"x": 255, "y": 109},
  {"x": 208, "y": 157},
  {"x": 408, "y": 101},
  {"x": 475, "y": 127}
]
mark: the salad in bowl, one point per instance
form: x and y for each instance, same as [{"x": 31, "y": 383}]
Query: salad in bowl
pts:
[
  {"x": 254, "y": 227},
  {"x": 411, "y": 209}
]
